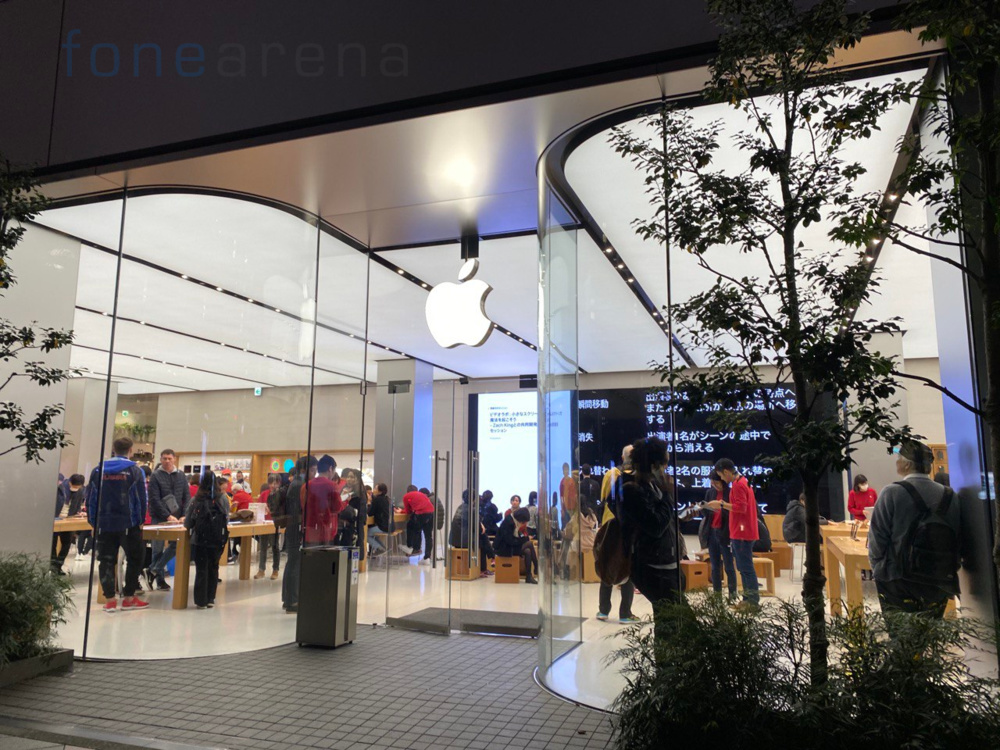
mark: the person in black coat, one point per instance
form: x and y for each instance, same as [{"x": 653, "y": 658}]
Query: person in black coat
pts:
[
  {"x": 69, "y": 502},
  {"x": 715, "y": 525},
  {"x": 513, "y": 541},
  {"x": 489, "y": 514},
  {"x": 649, "y": 522},
  {"x": 381, "y": 512}
]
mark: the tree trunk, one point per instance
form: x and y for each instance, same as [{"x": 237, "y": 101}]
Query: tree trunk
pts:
[{"x": 812, "y": 584}]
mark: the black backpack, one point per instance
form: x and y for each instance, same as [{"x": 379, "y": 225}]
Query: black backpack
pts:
[
  {"x": 930, "y": 550},
  {"x": 211, "y": 525}
]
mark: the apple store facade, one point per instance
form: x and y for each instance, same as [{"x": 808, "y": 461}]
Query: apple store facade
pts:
[{"x": 457, "y": 302}]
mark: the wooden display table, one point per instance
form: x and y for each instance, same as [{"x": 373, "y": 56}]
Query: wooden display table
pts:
[
  {"x": 853, "y": 555},
  {"x": 840, "y": 528},
  {"x": 71, "y": 523}
]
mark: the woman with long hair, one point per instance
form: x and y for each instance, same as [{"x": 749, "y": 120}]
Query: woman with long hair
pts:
[
  {"x": 649, "y": 523},
  {"x": 207, "y": 518}
]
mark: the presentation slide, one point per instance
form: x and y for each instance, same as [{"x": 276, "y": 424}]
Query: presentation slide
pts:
[{"x": 507, "y": 435}]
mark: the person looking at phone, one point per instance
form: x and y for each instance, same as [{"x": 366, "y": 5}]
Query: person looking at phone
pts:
[
  {"x": 716, "y": 525},
  {"x": 743, "y": 531}
]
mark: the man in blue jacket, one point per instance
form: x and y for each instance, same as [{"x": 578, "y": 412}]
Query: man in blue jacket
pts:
[{"x": 116, "y": 508}]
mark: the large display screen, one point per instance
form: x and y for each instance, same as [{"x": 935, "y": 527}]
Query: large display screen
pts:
[
  {"x": 610, "y": 419},
  {"x": 504, "y": 429},
  {"x": 506, "y": 436}
]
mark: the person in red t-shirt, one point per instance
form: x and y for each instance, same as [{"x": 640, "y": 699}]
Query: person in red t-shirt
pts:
[
  {"x": 321, "y": 506},
  {"x": 719, "y": 555},
  {"x": 861, "y": 496},
  {"x": 421, "y": 509},
  {"x": 742, "y": 507}
]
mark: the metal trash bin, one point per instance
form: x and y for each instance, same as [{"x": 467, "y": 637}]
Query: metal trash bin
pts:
[{"x": 328, "y": 597}]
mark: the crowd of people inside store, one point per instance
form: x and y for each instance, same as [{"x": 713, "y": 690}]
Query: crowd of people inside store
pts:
[{"x": 315, "y": 504}]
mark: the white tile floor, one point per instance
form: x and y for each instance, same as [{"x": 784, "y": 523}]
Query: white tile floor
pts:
[{"x": 248, "y": 616}]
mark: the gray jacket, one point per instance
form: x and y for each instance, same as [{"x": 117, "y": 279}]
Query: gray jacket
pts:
[{"x": 891, "y": 519}]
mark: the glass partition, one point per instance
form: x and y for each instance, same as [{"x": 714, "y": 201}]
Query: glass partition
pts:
[{"x": 558, "y": 385}]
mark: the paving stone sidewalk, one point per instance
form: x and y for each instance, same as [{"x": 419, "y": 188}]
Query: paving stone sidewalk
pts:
[{"x": 390, "y": 689}]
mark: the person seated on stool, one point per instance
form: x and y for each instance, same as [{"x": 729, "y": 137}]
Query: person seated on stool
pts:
[
  {"x": 515, "y": 503},
  {"x": 513, "y": 541},
  {"x": 380, "y": 509}
]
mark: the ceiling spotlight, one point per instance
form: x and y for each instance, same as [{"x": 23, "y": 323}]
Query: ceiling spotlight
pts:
[
  {"x": 607, "y": 250},
  {"x": 400, "y": 271},
  {"x": 249, "y": 300},
  {"x": 424, "y": 284},
  {"x": 218, "y": 288},
  {"x": 521, "y": 340},
  {"x": 104, "y": 314},
  {"x": 142, "y": 322},
  {"x": 184, "y": 276},
  {"x": 221, "y": 344},
  {"x": 277, "y": 309},
  {"x": 621, "y": 265},
  {"x": 630, "y": 280},
  {"x": 892, "y": 197}
]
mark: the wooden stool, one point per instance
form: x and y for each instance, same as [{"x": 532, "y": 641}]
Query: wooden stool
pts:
[
  {"x": 697, "y": 575},
  {"x": 508, "y": 570},
  {"x": 458, "y": 568}
]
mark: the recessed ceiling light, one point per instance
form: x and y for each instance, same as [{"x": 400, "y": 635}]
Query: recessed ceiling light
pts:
[
  {"x": 221, "y": 344},
  {"x": 631, "y": 280},
  {"x": 621, "y": 265},
  {"x": 607, "y": 249},
  {"x": 184, "y": 276},
  {"x": 249, "y": 300},
  {"x": 424, "y": 285},
  {"x": 892, "y": 197},
  {"x": 104, "y": 314},
  {"x": 400, "y": 271},
  {"x": 521, "y": 340},
  {"x": 218, "y": 288},
  {"x": 277, "y": 309},
  {"x": 142, "y": 322}
]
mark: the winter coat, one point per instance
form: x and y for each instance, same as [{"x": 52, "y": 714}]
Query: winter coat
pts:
[
  {"x": 162, "y": 484},
  {"x": 119, "y": 486}
]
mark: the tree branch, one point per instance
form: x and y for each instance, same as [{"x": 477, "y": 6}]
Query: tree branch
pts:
[
  {"x": 934, "y": 256},
  {"x": 938, "y": 387}
]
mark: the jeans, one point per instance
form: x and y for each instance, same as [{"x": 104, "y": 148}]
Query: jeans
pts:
[
  {"x": 373, "y": 542},
  {"x": 293, "y": 567},
  {"x": 269, "y": 540},
  {"x": 163, "y": 552},
  {"x": 721, "y": 556},
  {"x": 108, "y": 543},
  {"x": 206, "y": 573},
  {"x": 65, "y": 539},
  {"x": 625, "y": 608},
  {"x": 743, "y": 557}
]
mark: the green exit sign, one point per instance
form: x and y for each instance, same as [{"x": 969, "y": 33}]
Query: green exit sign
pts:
[{"x": 258, "y": 390}]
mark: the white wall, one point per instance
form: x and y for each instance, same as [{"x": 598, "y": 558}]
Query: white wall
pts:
[
  {"x": 46, "y": 267},
  {"x": 277, "y": 420}
]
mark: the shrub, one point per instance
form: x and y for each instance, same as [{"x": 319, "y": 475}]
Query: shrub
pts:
[
  {"x": 32, "y": 603},
  {"x": 738, "y": 679}
]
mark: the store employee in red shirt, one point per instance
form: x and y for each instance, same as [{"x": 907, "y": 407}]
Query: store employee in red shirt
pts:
[
  {"x": 742, "y": 507},
  {"x": 421, "y": 509}
]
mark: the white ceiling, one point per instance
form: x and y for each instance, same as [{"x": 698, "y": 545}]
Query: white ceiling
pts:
[
  {"x": 610, "y": 188},
  {"x": 257, "y": 252}
]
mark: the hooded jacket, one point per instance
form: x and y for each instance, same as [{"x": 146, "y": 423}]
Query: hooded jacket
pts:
[
  {"x": 793, "y": 528},
  {"x": 119, "y": 485}
]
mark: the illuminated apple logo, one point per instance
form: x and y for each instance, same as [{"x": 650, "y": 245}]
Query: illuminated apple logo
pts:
[{"x": 456, "y": 313}]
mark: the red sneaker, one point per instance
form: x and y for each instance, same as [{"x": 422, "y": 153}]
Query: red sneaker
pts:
[
  {"x": 133, "y": 602},
  {"x": 111, "y": 606}
]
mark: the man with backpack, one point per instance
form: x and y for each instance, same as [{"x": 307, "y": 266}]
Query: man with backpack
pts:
[
  {"x": 915, "y": 541},
  {"x": 116, "y": 509}
]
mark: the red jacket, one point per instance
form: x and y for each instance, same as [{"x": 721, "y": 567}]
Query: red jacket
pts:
[
  {"x": 242, "y": 500},
  {"x": 417, "y": 503},
  {"x": 743, "y": 516},
  {"x": 858, "y": 501}
]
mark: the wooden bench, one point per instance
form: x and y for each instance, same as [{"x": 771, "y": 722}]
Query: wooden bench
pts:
[
  {"x": 765, "y": 576},
  {"x": 780, "y": 556}
]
